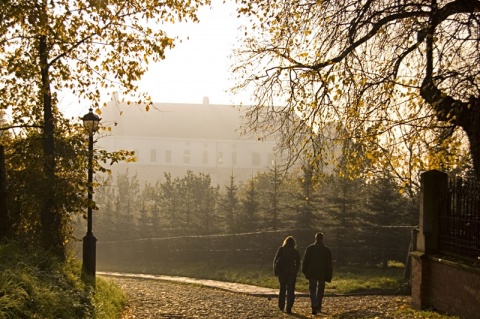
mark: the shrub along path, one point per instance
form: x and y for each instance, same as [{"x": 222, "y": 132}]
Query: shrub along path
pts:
[{"x": 154, "y": 297}]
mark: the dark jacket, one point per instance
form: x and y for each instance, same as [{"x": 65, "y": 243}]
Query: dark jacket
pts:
[
  {"x": 286, "y": 261},
  {"x": 317, "y": 262}
]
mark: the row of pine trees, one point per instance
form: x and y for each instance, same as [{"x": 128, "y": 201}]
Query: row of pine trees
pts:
[{"x": 191, "y": 205}]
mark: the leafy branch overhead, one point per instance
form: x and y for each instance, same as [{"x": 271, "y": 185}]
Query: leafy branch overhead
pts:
[
  {"x": 89, "y": 46},
  {"x": 397, "y": 78}
]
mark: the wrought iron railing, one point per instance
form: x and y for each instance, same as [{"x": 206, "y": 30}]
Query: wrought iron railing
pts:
[{"x": 459, "y": 223}]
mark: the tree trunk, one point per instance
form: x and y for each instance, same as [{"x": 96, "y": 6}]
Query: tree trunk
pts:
[
  {"x": 4, "y": 219},
  {"x": 458, "y": 113},
  {"x": 469, "y": 120},
  {"x": 52, "y": 230},
  {"x": 447, "y": 109}
]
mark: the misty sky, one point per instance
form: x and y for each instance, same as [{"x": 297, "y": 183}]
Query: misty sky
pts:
[{"x": 197, "y": 67}]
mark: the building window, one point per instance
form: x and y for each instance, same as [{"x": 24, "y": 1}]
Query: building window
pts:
[
  {"x": 205, "y": 157},
  {"x": 256, "y": 159},
  {"x": 271, "y": 159},
  {"x": 153, "y": 156},
  {"x": 220, "y": 157},
  {"x": 234, "y": 158},
  {"x": 168, "y": 156},
  {"x": 186, "y": 157}
]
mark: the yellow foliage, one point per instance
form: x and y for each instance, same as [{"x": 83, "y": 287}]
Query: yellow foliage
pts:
[{"x": 87, "y": 47}]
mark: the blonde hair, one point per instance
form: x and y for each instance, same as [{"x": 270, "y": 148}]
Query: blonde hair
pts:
[{"x": 289, "y": 241}]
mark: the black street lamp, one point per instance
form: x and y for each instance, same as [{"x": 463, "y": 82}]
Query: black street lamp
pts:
[{"x": 91, "y": 123}]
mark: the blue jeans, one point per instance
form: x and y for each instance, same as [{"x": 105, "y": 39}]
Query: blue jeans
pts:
[
  {"x": 317, "y": 289},
  {"x": 287, "y": 287}
]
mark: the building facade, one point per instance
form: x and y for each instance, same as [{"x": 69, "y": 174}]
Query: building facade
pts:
[{"x": 174, "y": 138}]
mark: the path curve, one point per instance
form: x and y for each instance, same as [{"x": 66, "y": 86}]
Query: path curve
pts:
[{"x": 158, "y": 297}]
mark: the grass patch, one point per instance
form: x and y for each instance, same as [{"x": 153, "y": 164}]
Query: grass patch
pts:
[
  {"x": 362, "y": 279},
  {"x": 108, "y": 300},
  {"x": 35, "y": 284},
  {"x": 407, "y": 311}
]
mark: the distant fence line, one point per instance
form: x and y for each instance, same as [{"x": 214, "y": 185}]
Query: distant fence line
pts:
[
  {"x": 370, "y": 245},
  {"x": 459, "y": 222}
]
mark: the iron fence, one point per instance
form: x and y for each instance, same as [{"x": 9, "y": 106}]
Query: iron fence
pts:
[{"x": 459, "y": 223}]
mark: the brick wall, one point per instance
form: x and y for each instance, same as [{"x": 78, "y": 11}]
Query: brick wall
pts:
[
  {"x": 455, "y": 288},
  {"x": 445, "y": 286}
]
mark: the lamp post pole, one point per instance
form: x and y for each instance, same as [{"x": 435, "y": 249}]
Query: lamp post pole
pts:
[{"x": 91, "y": 122}]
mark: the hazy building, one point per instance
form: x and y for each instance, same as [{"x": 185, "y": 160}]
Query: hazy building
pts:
[{"x": 175, "y": 138}]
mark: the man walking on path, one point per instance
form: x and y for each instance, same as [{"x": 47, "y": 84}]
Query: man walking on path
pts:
[{"x": 317, "y": 267}]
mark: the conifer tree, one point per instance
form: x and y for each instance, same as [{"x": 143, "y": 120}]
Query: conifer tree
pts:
[
  {"x": 230, "y": 205},
  {"x": 249, "y": 219}
]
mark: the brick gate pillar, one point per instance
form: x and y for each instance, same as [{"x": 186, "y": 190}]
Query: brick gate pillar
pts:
[{"x": 433, "y": 184}]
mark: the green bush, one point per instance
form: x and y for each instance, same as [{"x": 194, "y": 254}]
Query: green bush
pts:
[{"x": 35, "y": 284}]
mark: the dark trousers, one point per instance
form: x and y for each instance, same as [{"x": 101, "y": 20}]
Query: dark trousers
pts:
[
  {"x": 287, "y": 288},
  {"x": 317, "y": 289}
]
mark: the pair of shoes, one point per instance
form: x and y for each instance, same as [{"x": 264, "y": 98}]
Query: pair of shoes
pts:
[
  {"x": 289, "y": 311},
  {"x": 281, "y": 308},
  {"x": 314, "y": 310}
]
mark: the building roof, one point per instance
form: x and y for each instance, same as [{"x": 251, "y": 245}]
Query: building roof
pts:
[{"x": 174, "y": 120}]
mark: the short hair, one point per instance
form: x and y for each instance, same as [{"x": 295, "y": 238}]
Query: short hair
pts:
[
  {"x": 319, "y": 236},
  {"x": 289, "y": 241}
]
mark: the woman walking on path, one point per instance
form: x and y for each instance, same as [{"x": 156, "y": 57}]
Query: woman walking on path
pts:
[{"x": 286, "y": 265}]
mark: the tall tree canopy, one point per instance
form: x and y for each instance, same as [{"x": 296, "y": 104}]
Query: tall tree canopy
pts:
[
  {"x": 400, "y": 77},
  {"x": 86, "y": 47}
]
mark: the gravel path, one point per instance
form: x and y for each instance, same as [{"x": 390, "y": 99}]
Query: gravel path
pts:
[{"x": 152, "y": 299}]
